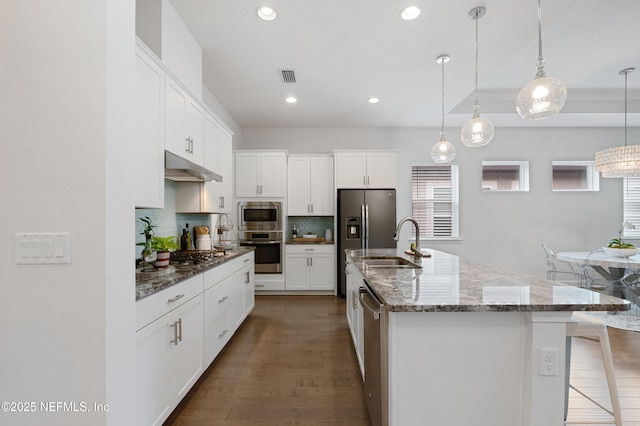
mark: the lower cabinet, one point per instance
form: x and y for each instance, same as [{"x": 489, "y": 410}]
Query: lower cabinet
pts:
[
  {"x": 169, "y": 360},
  {"x": 354, "y": 312},
  {"x": 310, "y": 267},
  {"x": 180, "y": 331}
]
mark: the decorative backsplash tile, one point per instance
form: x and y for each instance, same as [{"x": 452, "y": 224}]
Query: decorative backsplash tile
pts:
[{"x": 314, "y": 224}]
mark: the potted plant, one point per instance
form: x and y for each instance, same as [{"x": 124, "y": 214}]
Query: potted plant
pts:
[
  {"x": 163, "y": 246},
  {"x": 148, "y": 253}
]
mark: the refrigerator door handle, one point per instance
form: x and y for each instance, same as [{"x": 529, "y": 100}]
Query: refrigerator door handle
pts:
[
  {"x": 366, "y": 225},
  {"x": 363, "y": 218}
]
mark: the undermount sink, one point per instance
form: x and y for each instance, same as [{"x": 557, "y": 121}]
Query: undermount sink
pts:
[{"x": 389, "y": 262}]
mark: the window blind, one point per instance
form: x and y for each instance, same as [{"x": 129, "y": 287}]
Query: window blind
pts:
[
  {"x": 434, "y": 200},
  {"x": 631, "y": 202}
]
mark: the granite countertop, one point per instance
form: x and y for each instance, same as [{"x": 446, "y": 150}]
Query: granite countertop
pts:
[
  {"x": 302, "y": 241},
  {"x": 446, "y": 283},
  {"x": 147, "y": 286}
]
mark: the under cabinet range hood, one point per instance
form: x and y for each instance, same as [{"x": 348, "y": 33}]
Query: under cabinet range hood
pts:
[{"x": 180, "y": 170}]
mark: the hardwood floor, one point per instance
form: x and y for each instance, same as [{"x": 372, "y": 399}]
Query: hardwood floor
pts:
[{"x": 292, "y": 363}]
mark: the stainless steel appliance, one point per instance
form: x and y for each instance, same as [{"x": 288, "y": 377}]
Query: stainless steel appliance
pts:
[
  {"x": 260, "y": 216},
  {"x": 268, "y": 254},
  {"x": 373, "y": 365},
  {"x": 260, "y": 225},
  {"x": 366, "y": 219}
]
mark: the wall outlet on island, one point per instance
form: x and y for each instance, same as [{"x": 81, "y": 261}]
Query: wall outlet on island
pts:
[{"x": 548, "y": 362}]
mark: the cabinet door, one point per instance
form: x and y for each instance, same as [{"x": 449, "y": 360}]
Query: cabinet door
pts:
[
  {"x": 382, "y": 170},
  {"x": 299, "y": 178},
  {"x": 246, "y": 174},
  {"x": 224, "y": 189},
  {"x": 175, "y": 135},
  {"x": 273, "y": 174},
  {"x": 149, "y": 132},
  {"x": 194, "y": 119},
  {"x": 152, "y": 379},
  {"x": 211, "y": 140},
  {"x": 351, "y": 169},
  {"x": 297, "y": 271},
  {"x": 321, "y": 186},
  {"x": 186, "y": 354},
  {"x": 249, "y": 288},
  {"x": 321, "y": 269}
]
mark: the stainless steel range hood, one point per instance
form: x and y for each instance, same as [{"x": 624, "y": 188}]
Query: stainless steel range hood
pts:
[{"x": 180, "y": 170}]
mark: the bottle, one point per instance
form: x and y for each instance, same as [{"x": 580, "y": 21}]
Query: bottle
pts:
[
  {"x": 189, "y": 242},
  {"x": 184, "y": 240},
  {"x": 295, "y": 231}
]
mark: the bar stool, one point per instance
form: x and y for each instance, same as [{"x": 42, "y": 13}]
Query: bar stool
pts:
[{"x": 582, "y": 325}]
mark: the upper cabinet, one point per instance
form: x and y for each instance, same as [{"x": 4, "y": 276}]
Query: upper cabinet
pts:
[
  {"x": 218, "y": 157},
  {"x": 148, "y": 150},
  {"x": 366, "y": 170},
  {"x": 184, "y": 123},
  {"x": 261, "y": 174},
  {"x": 310, "y": 188}
]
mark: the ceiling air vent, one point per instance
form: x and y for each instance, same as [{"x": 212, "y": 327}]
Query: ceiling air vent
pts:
[{"x": 288, "y": 76}]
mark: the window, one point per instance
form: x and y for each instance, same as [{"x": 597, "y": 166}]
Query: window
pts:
[
  {"x": 505, "y": 175},
  {"x": 631, "y": 208},
  {"x": 434, "y": 200},
  {"x": 575, "y": 176}
]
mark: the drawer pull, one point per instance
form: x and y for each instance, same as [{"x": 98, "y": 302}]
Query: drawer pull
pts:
[
  {"x": 221, "y": 335},
  {"x": 223, "y": 299},
  {"x": 178, "y": 297},
  {"x": 247, "y": 260},
  {"x": 259, "y": 285}
]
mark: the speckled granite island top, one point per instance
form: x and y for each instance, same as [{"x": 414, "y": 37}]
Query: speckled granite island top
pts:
[
  {"x": 147, "y": 287},
  {"x": 446, "y": 283}
]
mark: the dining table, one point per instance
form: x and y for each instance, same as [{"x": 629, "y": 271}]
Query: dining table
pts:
[{"x": 612, "y": 268}]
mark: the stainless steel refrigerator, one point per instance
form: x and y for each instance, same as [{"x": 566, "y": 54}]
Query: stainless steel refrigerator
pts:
[{"x": 366, "y": 219}]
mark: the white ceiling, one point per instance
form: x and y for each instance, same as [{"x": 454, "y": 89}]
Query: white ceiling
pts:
[{"x": 345, "y": 51}]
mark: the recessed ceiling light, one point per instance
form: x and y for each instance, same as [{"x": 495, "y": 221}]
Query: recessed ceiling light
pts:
[
  {"x": 373, "y": 100},
  {"x": 410, "y": 13},
  {"x": 266, "y": 13},
  {"x": 291, "y": 100}
]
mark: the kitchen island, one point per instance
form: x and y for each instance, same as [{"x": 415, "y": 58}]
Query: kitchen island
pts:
[{"x": 461, "y": 341}]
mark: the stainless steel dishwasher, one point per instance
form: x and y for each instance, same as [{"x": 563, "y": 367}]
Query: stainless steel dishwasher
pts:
[{"x": 373, "y": 368}]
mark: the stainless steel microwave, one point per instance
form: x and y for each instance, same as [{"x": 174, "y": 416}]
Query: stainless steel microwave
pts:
[{"x": 260, "y": 216}]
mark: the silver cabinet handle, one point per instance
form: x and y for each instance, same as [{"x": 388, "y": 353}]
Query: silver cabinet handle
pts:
[
  {"x": 307, "y": 261},
  {"x": 311, "y": 261},
  {"x": 221, "y": 335},
  {"x": 368, "y": 182},
  {"x": 186, "y": 145},
  {"x": 259, "y": 285},
  {"x": 247, "y": 260},
  {"x": 247, "y": 279},
  {"x": 258, "y": 189},
  {"x": 177, "y": 332},
  {"x": 221, "y": 202},
  {"x": 223, "y": 299},
  {"x": 180, "y": 329},
  {"x": 354, "y": 299},
  {"x": 180, "y": 296}
]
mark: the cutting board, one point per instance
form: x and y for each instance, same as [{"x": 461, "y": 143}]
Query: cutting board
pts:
[{"x": 309, "y": 240}]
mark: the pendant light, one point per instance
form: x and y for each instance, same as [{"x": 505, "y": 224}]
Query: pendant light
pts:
[
  {"x": 443, "y": 151},
  {"x": 543, "y": 96},
  {"x": 478, "y": 131},
  {"x": 621, "y": 161}
]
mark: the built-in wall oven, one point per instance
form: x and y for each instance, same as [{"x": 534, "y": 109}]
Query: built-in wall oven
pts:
[{"x": 260, "y": 225}]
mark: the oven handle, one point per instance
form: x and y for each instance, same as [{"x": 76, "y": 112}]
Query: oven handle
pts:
[{"x": 259, "y": 242}]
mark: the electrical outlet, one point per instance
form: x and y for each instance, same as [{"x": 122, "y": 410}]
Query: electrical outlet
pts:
[{"x": 548, "y": 362}]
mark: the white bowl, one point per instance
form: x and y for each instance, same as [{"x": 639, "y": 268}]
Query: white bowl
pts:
[
  {"x": 309, "y": 235},
  {"x": 622, "y": 251}
]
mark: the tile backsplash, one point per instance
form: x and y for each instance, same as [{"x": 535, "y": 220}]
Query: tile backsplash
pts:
[
  {"x": 167, "y": 221},
  {"x": 314, "y": 224}
]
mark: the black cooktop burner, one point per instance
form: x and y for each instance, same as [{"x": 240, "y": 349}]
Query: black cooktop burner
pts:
[{"x": 195, "y": 256}]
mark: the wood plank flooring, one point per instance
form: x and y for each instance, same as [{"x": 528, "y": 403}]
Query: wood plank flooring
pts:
[{"x": 292, "y": 363}]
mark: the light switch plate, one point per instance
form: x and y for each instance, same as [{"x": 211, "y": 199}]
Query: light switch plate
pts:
[{"x": 42, "y": 248}]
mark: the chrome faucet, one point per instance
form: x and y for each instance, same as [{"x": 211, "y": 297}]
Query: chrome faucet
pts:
[{"x": 417, "y": 251}]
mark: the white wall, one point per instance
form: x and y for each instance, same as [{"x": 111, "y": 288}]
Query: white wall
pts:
[
  {"x": 496, "y": 228},
  {"x": 67, "y": 335}
]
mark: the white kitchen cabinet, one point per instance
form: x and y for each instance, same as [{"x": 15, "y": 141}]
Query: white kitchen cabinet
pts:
[
  {"x": 148, "y": 149},
  {"x": 355, "y": 313},
  {"x": 375, "y": 170},
  {"x": 184, "y": 123},
  {"x": 310, "y": 267},
  {"x": 261, "y": 174},
  {"x": 310, "y": 186},
  {"x": 169, "y": 349}
]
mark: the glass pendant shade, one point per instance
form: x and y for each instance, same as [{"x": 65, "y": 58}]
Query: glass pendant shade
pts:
[
  {"x": 477, "y": 132},
  {"x": 620, "y": 161},
  {"x": 443, "y": 151},
  {"x": 541, "y": 97}
]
